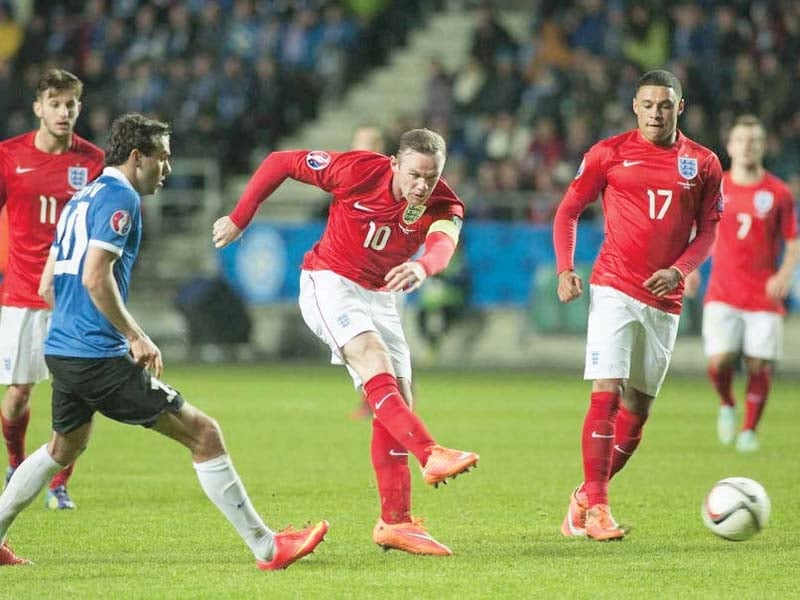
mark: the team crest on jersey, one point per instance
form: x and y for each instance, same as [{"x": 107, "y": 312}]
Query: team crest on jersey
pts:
[
  {"x": 121, "y": 222},
  {"x": 687, "y": 167},
  {"x": 318, "y": 160},
  {"x": 413, "y": 212},
  {"x": 78, "y": 177},
  {"x": 580, "y": 168},
  {"x": 763, "y": 201}
]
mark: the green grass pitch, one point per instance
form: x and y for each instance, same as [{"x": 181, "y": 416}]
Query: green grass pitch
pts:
[{"x": 144, "y": 529}]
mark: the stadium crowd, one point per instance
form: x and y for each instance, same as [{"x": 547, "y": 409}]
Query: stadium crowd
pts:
[
  {"x": 518, "y": 115},
  {"x": 521, "y": 112},
  {"x": 227, "y": 74}
]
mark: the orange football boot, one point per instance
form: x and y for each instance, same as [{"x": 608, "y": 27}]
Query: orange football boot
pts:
[
  {"x": 291, "y": 546},
  {"x": 8, "y": 558},
  {"x": 444, "y": 463},
  {"x": 409, "y": 537},
  {"x": 601, "y": 526},
  {"x": 574, "y": 524}
]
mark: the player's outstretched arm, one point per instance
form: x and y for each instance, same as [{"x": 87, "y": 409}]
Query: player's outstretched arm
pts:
[
  {"x": 224, "y": 232},
  {"x": 98, "y": 279},
  {"x": 570, "y": 286}
]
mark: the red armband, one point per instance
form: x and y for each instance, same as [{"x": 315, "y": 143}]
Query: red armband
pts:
[{"x": 439, "y": 249}]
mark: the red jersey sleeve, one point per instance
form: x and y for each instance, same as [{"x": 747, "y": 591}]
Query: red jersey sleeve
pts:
[
  {"x": 788, "y": 217},
  {"x": 585, "y": 188},
  {"x": 3, "y": 163},
  {"x": 325, "y": 170},
  {"x": 699, "y": 249}
]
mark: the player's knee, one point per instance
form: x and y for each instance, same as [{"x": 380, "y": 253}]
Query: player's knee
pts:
[
  {"x": 722, "y": 361},
  {"x": 208, "y": 435},
  {"x": 17, "y": 398},
  {"x": 756, "y": 366}
]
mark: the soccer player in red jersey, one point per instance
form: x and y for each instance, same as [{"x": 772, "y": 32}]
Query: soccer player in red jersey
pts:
[
  {"x": 743, "y": 311},
  {"x": 39, "y": 172},
  {"x": 657, "y": 186},
  {"x": 383, "y": 210}
]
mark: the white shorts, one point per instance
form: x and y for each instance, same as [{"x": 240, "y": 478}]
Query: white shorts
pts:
[
  {"x": 337, "y": 310},
  {"x": 729, "y": 330},
  {"x": 22, "y": 335},
  {"x": 628, "y": 339}
]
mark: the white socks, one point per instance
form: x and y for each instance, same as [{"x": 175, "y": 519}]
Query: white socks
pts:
[
  {"x": 28, "y": 480},
  {"x": 222, "y": 485}
]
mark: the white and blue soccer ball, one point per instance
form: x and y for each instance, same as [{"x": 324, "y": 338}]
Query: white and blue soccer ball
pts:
[{"x": 736, "y": 508}]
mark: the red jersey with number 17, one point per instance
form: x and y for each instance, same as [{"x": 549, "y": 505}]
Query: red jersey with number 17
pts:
[
  {"x": 653, "y": 196},
  {"x": 368, "y": 231},
  {"x": 758, "y": 219},
  {"x": 34, "y": 187}
]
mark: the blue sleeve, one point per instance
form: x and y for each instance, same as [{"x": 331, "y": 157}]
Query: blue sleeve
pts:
[{"x": 113, "y": 214}]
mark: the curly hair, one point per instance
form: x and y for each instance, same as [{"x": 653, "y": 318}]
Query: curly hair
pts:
[{"x": 133, "y": 131}]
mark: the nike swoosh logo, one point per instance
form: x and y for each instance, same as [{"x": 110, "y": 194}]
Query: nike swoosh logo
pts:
[
  {"x": 600, "y": 435},
  {"x": 421, "y": 536},
  {"x": 21, "y": 170},
  {"x": 630, "y": 163},
  {"x": 359, "y": 206},
  {"x": 619, "y": 449},
  {"x": 380, "y": 402},
  {"x": 393, "y": 452}
]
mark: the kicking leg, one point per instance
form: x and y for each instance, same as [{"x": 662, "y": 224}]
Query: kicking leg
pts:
[{"x": 219, "y": 480}]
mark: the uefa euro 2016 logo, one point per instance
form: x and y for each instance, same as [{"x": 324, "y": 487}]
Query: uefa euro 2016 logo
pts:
[{"x": 121, "y": 222}]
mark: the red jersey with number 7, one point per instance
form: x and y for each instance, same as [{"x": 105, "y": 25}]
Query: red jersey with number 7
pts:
[
  {"x": 34, "y": 187},
  {"x": 368, "y": 231},
  {"x": 758, "y": 219},
  {"x": 653, "y": 197}
]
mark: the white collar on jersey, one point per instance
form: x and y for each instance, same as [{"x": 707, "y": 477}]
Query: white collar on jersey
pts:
[{"x": 117, "y": 174}]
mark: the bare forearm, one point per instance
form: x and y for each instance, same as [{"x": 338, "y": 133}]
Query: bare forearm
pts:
[
  {"x": 106, "y": 297},
  {"x": 791, "y": 256}
]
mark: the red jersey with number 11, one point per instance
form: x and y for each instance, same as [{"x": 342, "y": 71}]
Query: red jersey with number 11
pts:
[
  {"x": 653, "y": 196},
  {"x": 35, "y": 186},
  {"x": 758, "y": 218}
]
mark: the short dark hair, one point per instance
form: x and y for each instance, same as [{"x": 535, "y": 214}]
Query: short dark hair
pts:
[
  {"x": 133, "y": 131},
  {"x": 60, "y": 81},
  {"x": 748, "y": 120},
  {"x": 662, "y": 78},
  {"x": 423, "y": 141}
]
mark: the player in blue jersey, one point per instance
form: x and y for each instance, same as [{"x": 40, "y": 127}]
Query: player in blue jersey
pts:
[{"x": 101, "y": 360}]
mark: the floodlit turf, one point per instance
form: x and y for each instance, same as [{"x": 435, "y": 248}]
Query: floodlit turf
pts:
[{"x": 143, "y": 528}]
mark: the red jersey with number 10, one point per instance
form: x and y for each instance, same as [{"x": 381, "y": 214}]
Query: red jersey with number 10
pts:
[
  {"x": 368, "y": 231},
  {"x": 35, "y": 186},
  {"x": 758, "y": 218},
  {"x": 652, "y": 198}
]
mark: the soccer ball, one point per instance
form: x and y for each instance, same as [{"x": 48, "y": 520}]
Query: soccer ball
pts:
[{"x": 736, "y": 508}]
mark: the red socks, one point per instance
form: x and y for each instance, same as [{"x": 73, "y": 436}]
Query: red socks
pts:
[
  {"x": 597, "y": 441},
  {"x": 627, "y": 435},
  {"x": 14, "y": 434},
  {"x": 390, "y": 461},
  {"x": 722, "y": 379},
  {"x": 757, "y": 391},
  {"x": 62, "y": 477},
  {"x": 390, "y": 409}
]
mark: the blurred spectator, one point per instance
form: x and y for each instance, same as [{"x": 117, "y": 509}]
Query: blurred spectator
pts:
[{"x": 11, "y": 34}]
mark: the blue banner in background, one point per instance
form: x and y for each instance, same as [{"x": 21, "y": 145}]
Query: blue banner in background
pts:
[
  {"x": 503, "y": 259},
  {"x": 264, "y": 266}
]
